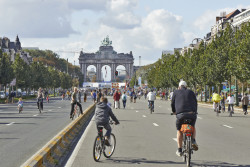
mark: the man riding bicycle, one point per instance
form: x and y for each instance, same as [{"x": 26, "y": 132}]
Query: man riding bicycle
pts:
[
  {"x": 102, "y": 114},
  {"x": 151, "y": 99},
  {"x": 74, "y": 101},
  {"x": 184, "y": 105}
]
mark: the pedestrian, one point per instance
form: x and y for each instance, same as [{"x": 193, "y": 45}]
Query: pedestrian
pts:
[
  {"x": 222, "y": 102},
  {"x": 230, "y": 100},
  {"x": 85, "y": 96},
  {"x": 124, "y": 99},
  {"x": 116, "y": 99},
  {"x": 245, "y": 102},
  {"x": 94, "y": 96},
  {"x": 20, "y": 105},
  {"x": 79, "y": 96}
]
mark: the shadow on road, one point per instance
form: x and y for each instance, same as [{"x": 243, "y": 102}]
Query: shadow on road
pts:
[
  {"x": 215, "y": 164},
  {"x": 132, "y": 160}
]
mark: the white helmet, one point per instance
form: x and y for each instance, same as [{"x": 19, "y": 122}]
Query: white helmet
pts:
[{"x": 183, "y": 83}]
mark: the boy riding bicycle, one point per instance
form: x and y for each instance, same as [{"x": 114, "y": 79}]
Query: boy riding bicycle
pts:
[{"x": 102, "y": 114}]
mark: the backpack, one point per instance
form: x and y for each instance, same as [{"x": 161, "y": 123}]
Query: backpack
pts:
[{"x": 124, "y": 97}]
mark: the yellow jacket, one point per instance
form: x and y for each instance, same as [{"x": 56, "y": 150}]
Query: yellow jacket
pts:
[{"x": 216, "y": 97}]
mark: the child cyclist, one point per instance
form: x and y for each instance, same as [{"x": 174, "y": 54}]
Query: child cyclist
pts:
[
  {"x": 102, "y": 114},
  {"x": 20, "y": 105}
]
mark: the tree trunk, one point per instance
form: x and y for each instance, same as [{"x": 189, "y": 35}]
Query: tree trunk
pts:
[{"x": 54, "y": 92}]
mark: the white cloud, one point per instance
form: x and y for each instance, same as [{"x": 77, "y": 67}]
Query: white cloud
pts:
[{"x": 44, "y": 18}]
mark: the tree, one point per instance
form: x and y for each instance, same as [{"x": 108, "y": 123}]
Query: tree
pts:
[{"x": 6, "y": 70}]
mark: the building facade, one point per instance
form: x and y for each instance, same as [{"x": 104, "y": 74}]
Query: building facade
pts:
[
  {"x": 106, "y": 56},
  {"x": 14, "y": 48}
]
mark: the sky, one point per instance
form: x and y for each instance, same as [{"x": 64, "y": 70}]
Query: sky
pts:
[{"x": 145, "y": 27}]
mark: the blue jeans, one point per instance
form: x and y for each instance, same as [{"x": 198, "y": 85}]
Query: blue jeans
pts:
[
  {"x": 152, "y": 103},
  {"x": 107, "y": 127},
  {"x": 124, "y": 103}
]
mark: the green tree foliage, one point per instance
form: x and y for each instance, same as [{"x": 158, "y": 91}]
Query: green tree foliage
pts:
[
  {"x": 211, "y": 64},
  {"x": 6, "y": 70}
]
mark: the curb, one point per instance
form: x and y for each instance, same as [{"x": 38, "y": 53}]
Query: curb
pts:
[{"x": 50, "y": 154}]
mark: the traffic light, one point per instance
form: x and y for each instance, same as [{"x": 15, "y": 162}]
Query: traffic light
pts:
[{"x": 116, "y": 73}]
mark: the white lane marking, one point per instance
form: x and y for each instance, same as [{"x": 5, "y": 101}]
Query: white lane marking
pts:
[
  {"x": 155, "y": 124},
  {"x": 78, "y": 146},
  {"x": 144, "y": 116},
  {"x": 175, "y": 139},
  {"x": 159, "y": 106},
  {"x": 199, "y": 117},
  {"x": 136, "y": 111},
  {"x": 35, "y": 115},
  {"x": 228, "y": 126},
  {"x": 10, "y": 123},
  {"x": 59, "y": 107},
  {"x": 49, "y": 110}
]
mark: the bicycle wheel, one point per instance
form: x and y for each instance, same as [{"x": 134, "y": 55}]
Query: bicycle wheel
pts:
[
  {"x": 188, "y": 151},
  {"x": 97, "y": 149},
  {"x": 109, "y": 150},
  {"x": 40, "y": 107},
  {"x": 184, "y": 145}
]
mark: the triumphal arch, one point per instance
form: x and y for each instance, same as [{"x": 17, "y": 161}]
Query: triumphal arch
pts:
[{"x": 106, "y": 56}]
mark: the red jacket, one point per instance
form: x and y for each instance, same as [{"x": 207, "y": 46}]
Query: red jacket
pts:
[{"x": 117, "y": 96}]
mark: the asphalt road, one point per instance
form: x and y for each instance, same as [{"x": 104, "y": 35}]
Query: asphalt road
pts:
[
  {"x": 22, "y": 135},
  {"x": 145, "y": 139}
]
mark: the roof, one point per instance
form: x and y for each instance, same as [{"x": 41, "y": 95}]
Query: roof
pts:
[{"x": 228, "y": 16}]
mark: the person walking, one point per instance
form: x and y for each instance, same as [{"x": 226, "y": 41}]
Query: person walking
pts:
[
  {"x": 85, "y": 96},
  {"x": 116, "y": 99},
  {"x": 124, "y": 99},
  {"x": 245, "y": 102}
]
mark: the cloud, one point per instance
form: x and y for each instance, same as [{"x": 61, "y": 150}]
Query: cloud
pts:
[
  {"x": 44, "y": 18},
  {"x": 159, "y": 30},
  {"x": 120, "y": 14}
]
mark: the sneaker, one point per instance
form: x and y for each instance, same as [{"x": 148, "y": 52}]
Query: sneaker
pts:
[
  {"x": 194, "y": 145},
  {"x": 107, "y": 142},
  {"x": 178, "y": 153},
  {"x": 70, "y": 116}
]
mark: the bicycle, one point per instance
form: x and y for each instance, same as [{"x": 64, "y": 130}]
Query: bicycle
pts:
[
  {"x": 40, "y": 105},
  {"x": 76, "y": 112},
  {"x": 217, "y": 109},
  {"x": 100, "y": 147},
  {"x": 20, "y": 108},
  {"x": 187, "y": 130},
  {"x": 151, "y": 108}
]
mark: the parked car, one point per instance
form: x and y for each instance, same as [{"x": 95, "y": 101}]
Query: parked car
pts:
[
  {"x": 23, "y": 93},
  {"x": 2, "y": 94}
]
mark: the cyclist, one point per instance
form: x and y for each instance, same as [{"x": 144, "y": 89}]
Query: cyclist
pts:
[
  {"x": 216, "y": 99},
  {"x": 40, "y": 97},
  {"x": 74, "y": 101},
  {"x": 102, "y": 114},
  {"x": 151, "y": 98},
  {"x": 184, "y": 105}
]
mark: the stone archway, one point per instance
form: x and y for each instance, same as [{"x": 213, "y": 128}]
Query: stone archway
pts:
[{"x": 106, "y": 56}]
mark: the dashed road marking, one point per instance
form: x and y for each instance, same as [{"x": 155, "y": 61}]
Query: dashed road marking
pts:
[
  {"x": 175, "y": 139},
  {"x": 228, "y": 126},
  {"x": 59, "y": 107},
  {"x": 155, "y": 124},
  {"x": 199, "y": 117},
  {"x": 35, "y": 115},
  {"x": 136, "y": 111},
  {"x": 49, "y": 110},
  {"x": 144, "y": 116},
  {"x": 10, "y": 123}
]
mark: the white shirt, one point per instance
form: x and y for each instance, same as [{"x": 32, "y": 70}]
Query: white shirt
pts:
[
  {"x": 151, "y": 96},
  {"x": 230, "y": 99}
]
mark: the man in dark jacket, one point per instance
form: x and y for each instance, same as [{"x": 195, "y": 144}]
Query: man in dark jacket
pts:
[
  {"x": 102, "y": 114},
  {"x": 184, "y": 105}
]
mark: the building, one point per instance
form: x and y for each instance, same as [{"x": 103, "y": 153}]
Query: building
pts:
[
  {"x": 241, "y": 18},
  {"x": 221, "y": 21},
  {"x": 14, "y": 48}
]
